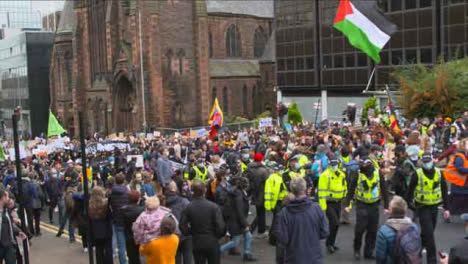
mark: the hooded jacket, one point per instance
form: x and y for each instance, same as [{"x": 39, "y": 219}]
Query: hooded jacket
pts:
[
  {"x": 257, "y": 174},
  {"x": 300, "y": 227},
  {"x": 118, "y": 199},
  {"x": 386, "y": 238}
]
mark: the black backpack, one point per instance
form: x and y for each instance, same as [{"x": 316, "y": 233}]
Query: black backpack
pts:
[{"x": 407, "y": 249}]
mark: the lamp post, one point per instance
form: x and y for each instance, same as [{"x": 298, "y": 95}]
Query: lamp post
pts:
[{"x": 142, "y": 75}]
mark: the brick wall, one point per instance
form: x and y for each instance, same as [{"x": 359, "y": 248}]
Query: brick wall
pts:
[{"x": 218, "y": 26}]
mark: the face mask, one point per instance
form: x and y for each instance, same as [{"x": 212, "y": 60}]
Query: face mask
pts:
[
  {"x": 428, "y": 165},
  {"x": 297, "y": 166},
  {"x": 334, "y": 167},
  {"x": 245, "y": 156}
]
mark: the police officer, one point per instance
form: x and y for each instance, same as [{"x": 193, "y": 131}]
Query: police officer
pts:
[
  {"x": 368, "y": 189},
  {"x": 292, "y": 171},
  {"x": 245, "y": 159},
  {"x": 429, "y": 190},
  {"x": 332, "y": 188},
  {"x": 197, "y": 171}
]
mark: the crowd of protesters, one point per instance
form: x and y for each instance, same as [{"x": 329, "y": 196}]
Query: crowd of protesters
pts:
[{"x": 190, "y": 199}]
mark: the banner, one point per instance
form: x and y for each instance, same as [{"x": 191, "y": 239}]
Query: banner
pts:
[
  {"x": 139, "y": 160},
  {"x": 265, "y": 122}
]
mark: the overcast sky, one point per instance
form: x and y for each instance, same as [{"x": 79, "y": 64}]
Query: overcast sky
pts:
[{"x": 47, "y": 6}]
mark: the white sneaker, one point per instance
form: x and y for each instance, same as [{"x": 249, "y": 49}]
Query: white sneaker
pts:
[
  {"x": 263, "y": 235},
  {"x": 85, "y": 250}
]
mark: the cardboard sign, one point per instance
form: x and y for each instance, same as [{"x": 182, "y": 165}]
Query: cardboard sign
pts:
[
  {"x": 139, "y": 160},
  {"x": 193, "y": 134},
  {"x": 265, "y": 122},
  {"x": 201, "y": 132},
  {"x": 149, "y": 136},
  {"x": 156, "y": 134}
]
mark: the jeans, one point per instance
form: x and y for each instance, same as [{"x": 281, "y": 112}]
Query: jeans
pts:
[
  {"x": 8, "y": 254},
  {"x": 235, "y": 241},
  {"x": 120, "y": 236},
  {"x": 71, "y": 229},
  {"x": 61, "y": 208}
]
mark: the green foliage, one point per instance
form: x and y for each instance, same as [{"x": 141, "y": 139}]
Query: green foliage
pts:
[
  {"x": 261, "y": 115},
  {"x": 235, "y": 119},
  {"x": 371, "y": 103},
  {"x": 427, "y": 92},
  {"x": 294, "y": 115}
]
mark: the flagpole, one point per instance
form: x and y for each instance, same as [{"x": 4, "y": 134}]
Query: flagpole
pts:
[{"x": 370, "y": 80}]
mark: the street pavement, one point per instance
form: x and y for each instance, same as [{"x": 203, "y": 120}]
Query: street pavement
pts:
[{"x": 52, "y": 250}]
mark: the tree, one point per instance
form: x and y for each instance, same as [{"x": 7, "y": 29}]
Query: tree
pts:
[
  {"x": 427, "y": 92},
  {"x": 371, "y": 103},
  {"x": 294, "y": 115}
]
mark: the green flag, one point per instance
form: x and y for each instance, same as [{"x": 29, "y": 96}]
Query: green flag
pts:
[
  {"x": 2, "y": 153},
  {"x": 54, "y": 128}
]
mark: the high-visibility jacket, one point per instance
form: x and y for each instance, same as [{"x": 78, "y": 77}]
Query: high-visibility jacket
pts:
[
  {"x": 303, "y": 160},
  {"x": 451, "y": 173},
  {"x": 424, "y": 130},
  {"x": 428, "y": 191},
  {"x": 332, "y": 186},
  {"x": 344, "y": 162},
  {"x": 275, "y": 190},
  {"x": 243, "y": 167},
  {"x": 199, "y": 175},
  {"x": 368, "y": 190},
  {"x": 375, "y": 163}
]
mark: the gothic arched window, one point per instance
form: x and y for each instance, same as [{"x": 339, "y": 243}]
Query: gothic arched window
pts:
[
  {"x": 244, "y": 100},
  {"x": 225, "y": 100},
  {"x": 213, "y": 94},
  {"x": 233, "y": 43},
  {"x": 260, "y": 40}
]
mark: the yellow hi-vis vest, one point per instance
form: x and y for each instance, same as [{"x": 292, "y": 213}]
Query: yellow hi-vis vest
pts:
[
  {"x": 428, "y": 191},
  {"x": 199, "y": 175},
  {"x": 371, "y": 194},
  {"x": 332, "y": 186},
  {"x": 344, "y": 160},
  {"x": 243, "y": 167},
  {"x": 275, "y": 190},
  {"x": 303, "y": 160},
  {"x": 375, "y": 163}
]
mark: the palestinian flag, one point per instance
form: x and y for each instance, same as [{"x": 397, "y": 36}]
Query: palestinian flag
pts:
[{"x": 365, "y": 26}]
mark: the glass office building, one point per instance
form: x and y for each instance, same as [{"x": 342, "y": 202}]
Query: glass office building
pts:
[
  {"x": 24, "y": 81},
  {"x": 427, "y": 29},
  {"x": 19, "y": 14}
]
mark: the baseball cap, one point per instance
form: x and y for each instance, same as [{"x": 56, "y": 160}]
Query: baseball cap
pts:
[
  {"x": 426, "y": 157},
  {"x": 258, "y": 157},
  {"x": 334, "y": 161}
]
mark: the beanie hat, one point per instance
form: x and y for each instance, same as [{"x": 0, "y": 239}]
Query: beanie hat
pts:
[{"x": 258, "y": 157}]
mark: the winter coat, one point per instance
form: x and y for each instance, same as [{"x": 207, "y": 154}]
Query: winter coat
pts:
[
  {"x": 203, "y": 220},
  {"x": 176, "y": 204},
  {"x": 386, "y": 238},
  {"x": 101, "y": 228},
  {"x": 236, "y": 212},
  {"x": 257, "y": 174},
  {"x": 300, "y": 227},
  {"x": 54, "y": 189},
  {"x": 147, "y": 226},
  {"x": 164, "y": 171},
  {"x": 130, "y": 213},
  {"x": 117, "y": 200},
  {"x": 402, "y": 177}
]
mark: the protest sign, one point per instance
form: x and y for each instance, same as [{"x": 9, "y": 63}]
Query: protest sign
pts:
[
  {"x": 265, "y": 122},
  {"x": 156, "y": 134},
  {"x": 139, "y": 160}
]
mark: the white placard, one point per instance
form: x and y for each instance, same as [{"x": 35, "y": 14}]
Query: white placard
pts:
[
  {"x": 139, "y": 160},
  {"x": 265, "y": 122}
]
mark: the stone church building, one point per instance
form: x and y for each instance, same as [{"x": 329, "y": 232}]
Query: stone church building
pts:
[{"x": 192, "y": 52}]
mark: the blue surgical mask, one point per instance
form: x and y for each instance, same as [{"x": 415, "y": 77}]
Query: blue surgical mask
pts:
[
  {"x": 334, "y": 167},
  {"x": 297, "y": 166},
  {"x": 428, "y": 165}
]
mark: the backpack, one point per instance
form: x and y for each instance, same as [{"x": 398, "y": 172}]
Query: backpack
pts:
[
  {"x": 69, "y": 202},
  {"x": 407, "y": 249}
]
